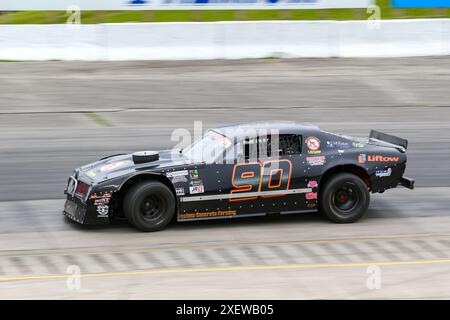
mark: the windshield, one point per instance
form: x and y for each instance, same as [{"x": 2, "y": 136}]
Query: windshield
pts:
[{"x": 208, "y": 148}]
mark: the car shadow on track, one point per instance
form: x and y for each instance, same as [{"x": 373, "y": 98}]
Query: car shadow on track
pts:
[
  {"x": 314, "y": 218},
  {"x": 250, "y": 221},
  {"x": 123, "y": 225}
]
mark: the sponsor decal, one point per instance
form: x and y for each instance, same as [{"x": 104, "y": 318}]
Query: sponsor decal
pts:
[
  {"x": 337, "y": 144},
  {"x": 313, "y": 184},
  {"x": 179, "y": 191},
  {"x": 196, "y": 183},
  {"x": 313, "y": 145},
  {"x": 316, "y": 161},
  {"x": 382, "y": 159},
  {"x": 196, "y": 189},
  {"x": 311, "y": 196},
  {"x": 211, "y": 214},
  {"x": 358, "y": 145},
  {"x": 179, "y": 179},
  {"x": 91, "y": 173},
  {"x": 113, "y": 166},
  {"x": 363, "y": 158},
  {"x": 96, "y": 196},
  {"x": 193, "y": 174},
  {"x": 176, "y": 174},
  {"x": 101, "y": 201},
  {"x": 383, "y": 173},
  {"x": 102, "y": 210}
]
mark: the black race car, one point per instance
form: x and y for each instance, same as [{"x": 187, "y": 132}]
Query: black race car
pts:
[{"x": 239, "y": 171}]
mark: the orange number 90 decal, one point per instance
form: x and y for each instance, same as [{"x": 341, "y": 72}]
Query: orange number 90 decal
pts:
[
  {"x": 255, "y": 177},
  {"x": 246, "y": 178}
]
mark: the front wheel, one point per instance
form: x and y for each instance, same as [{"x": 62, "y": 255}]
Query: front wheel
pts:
[
  {"x": 345, "y": 198},
  {"x": 149, "y": 206}
]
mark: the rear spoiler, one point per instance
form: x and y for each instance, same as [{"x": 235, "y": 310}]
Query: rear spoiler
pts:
[{"x": 387, "y": 138}]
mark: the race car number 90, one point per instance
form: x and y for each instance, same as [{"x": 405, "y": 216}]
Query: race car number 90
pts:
[{"x": 256, "y": 177}]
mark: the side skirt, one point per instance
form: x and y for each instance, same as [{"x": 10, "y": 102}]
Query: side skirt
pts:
[{"x": 248, "y": 215}]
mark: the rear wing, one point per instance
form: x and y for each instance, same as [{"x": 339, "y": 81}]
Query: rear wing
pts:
[{"x": 388, "y": 139}]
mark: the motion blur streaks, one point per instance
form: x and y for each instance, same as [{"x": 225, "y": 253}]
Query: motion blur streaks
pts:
[
  {"x": 56, "y": 116},
  {"x": 45, "y": 135}
]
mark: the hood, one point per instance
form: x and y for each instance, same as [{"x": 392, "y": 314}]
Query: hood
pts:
[{"x": 118, "y": 165}]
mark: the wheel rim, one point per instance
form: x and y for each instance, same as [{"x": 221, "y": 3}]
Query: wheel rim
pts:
[
  {"x": 151, "y": 208},
  {"x": 346, "y": 197}
]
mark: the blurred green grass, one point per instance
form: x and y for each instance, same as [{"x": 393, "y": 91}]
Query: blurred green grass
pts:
[{"x": 87, "y": 17}]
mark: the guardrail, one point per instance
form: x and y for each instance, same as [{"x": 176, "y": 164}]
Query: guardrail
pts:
[{"x": 226, "y": 40}]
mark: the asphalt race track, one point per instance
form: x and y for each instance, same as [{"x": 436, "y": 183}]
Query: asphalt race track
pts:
[{"x": 55, "y": 116}]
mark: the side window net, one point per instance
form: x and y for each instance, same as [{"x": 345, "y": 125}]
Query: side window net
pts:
[
  {"x": 289, "y": 144},
  {"x": 261, "y": 147}
]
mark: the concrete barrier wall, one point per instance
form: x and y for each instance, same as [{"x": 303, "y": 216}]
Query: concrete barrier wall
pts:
[{"x": 225, "y": 40}]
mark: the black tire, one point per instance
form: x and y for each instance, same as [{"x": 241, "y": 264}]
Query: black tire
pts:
[
  {"x": 345, "y": 198},
  {"x": 149, "y": 206}
]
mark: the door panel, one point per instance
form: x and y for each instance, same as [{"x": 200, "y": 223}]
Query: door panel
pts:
[{"x": 251, "y": 188}]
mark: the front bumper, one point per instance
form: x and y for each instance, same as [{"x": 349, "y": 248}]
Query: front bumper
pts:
[
  {"x": 82, "y": 213},
  {"x": 85, "y": 207},
  {"x": 74, "y": 211}
]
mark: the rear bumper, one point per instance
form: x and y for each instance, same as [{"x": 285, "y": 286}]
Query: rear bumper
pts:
[{"x": 407, "y": 182}]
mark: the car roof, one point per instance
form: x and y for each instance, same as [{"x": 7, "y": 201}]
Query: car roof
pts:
[{"x": 252, "y": 129}]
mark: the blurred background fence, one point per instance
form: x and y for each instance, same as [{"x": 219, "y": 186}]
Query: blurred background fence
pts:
[
  {"x": 225, "y": 40},
  {"x": 242, "y": 29}
]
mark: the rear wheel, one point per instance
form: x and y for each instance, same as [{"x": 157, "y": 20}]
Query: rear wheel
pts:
[
  {"x": 345, "y": 198},
  {"x": 149, "y": 206}
]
